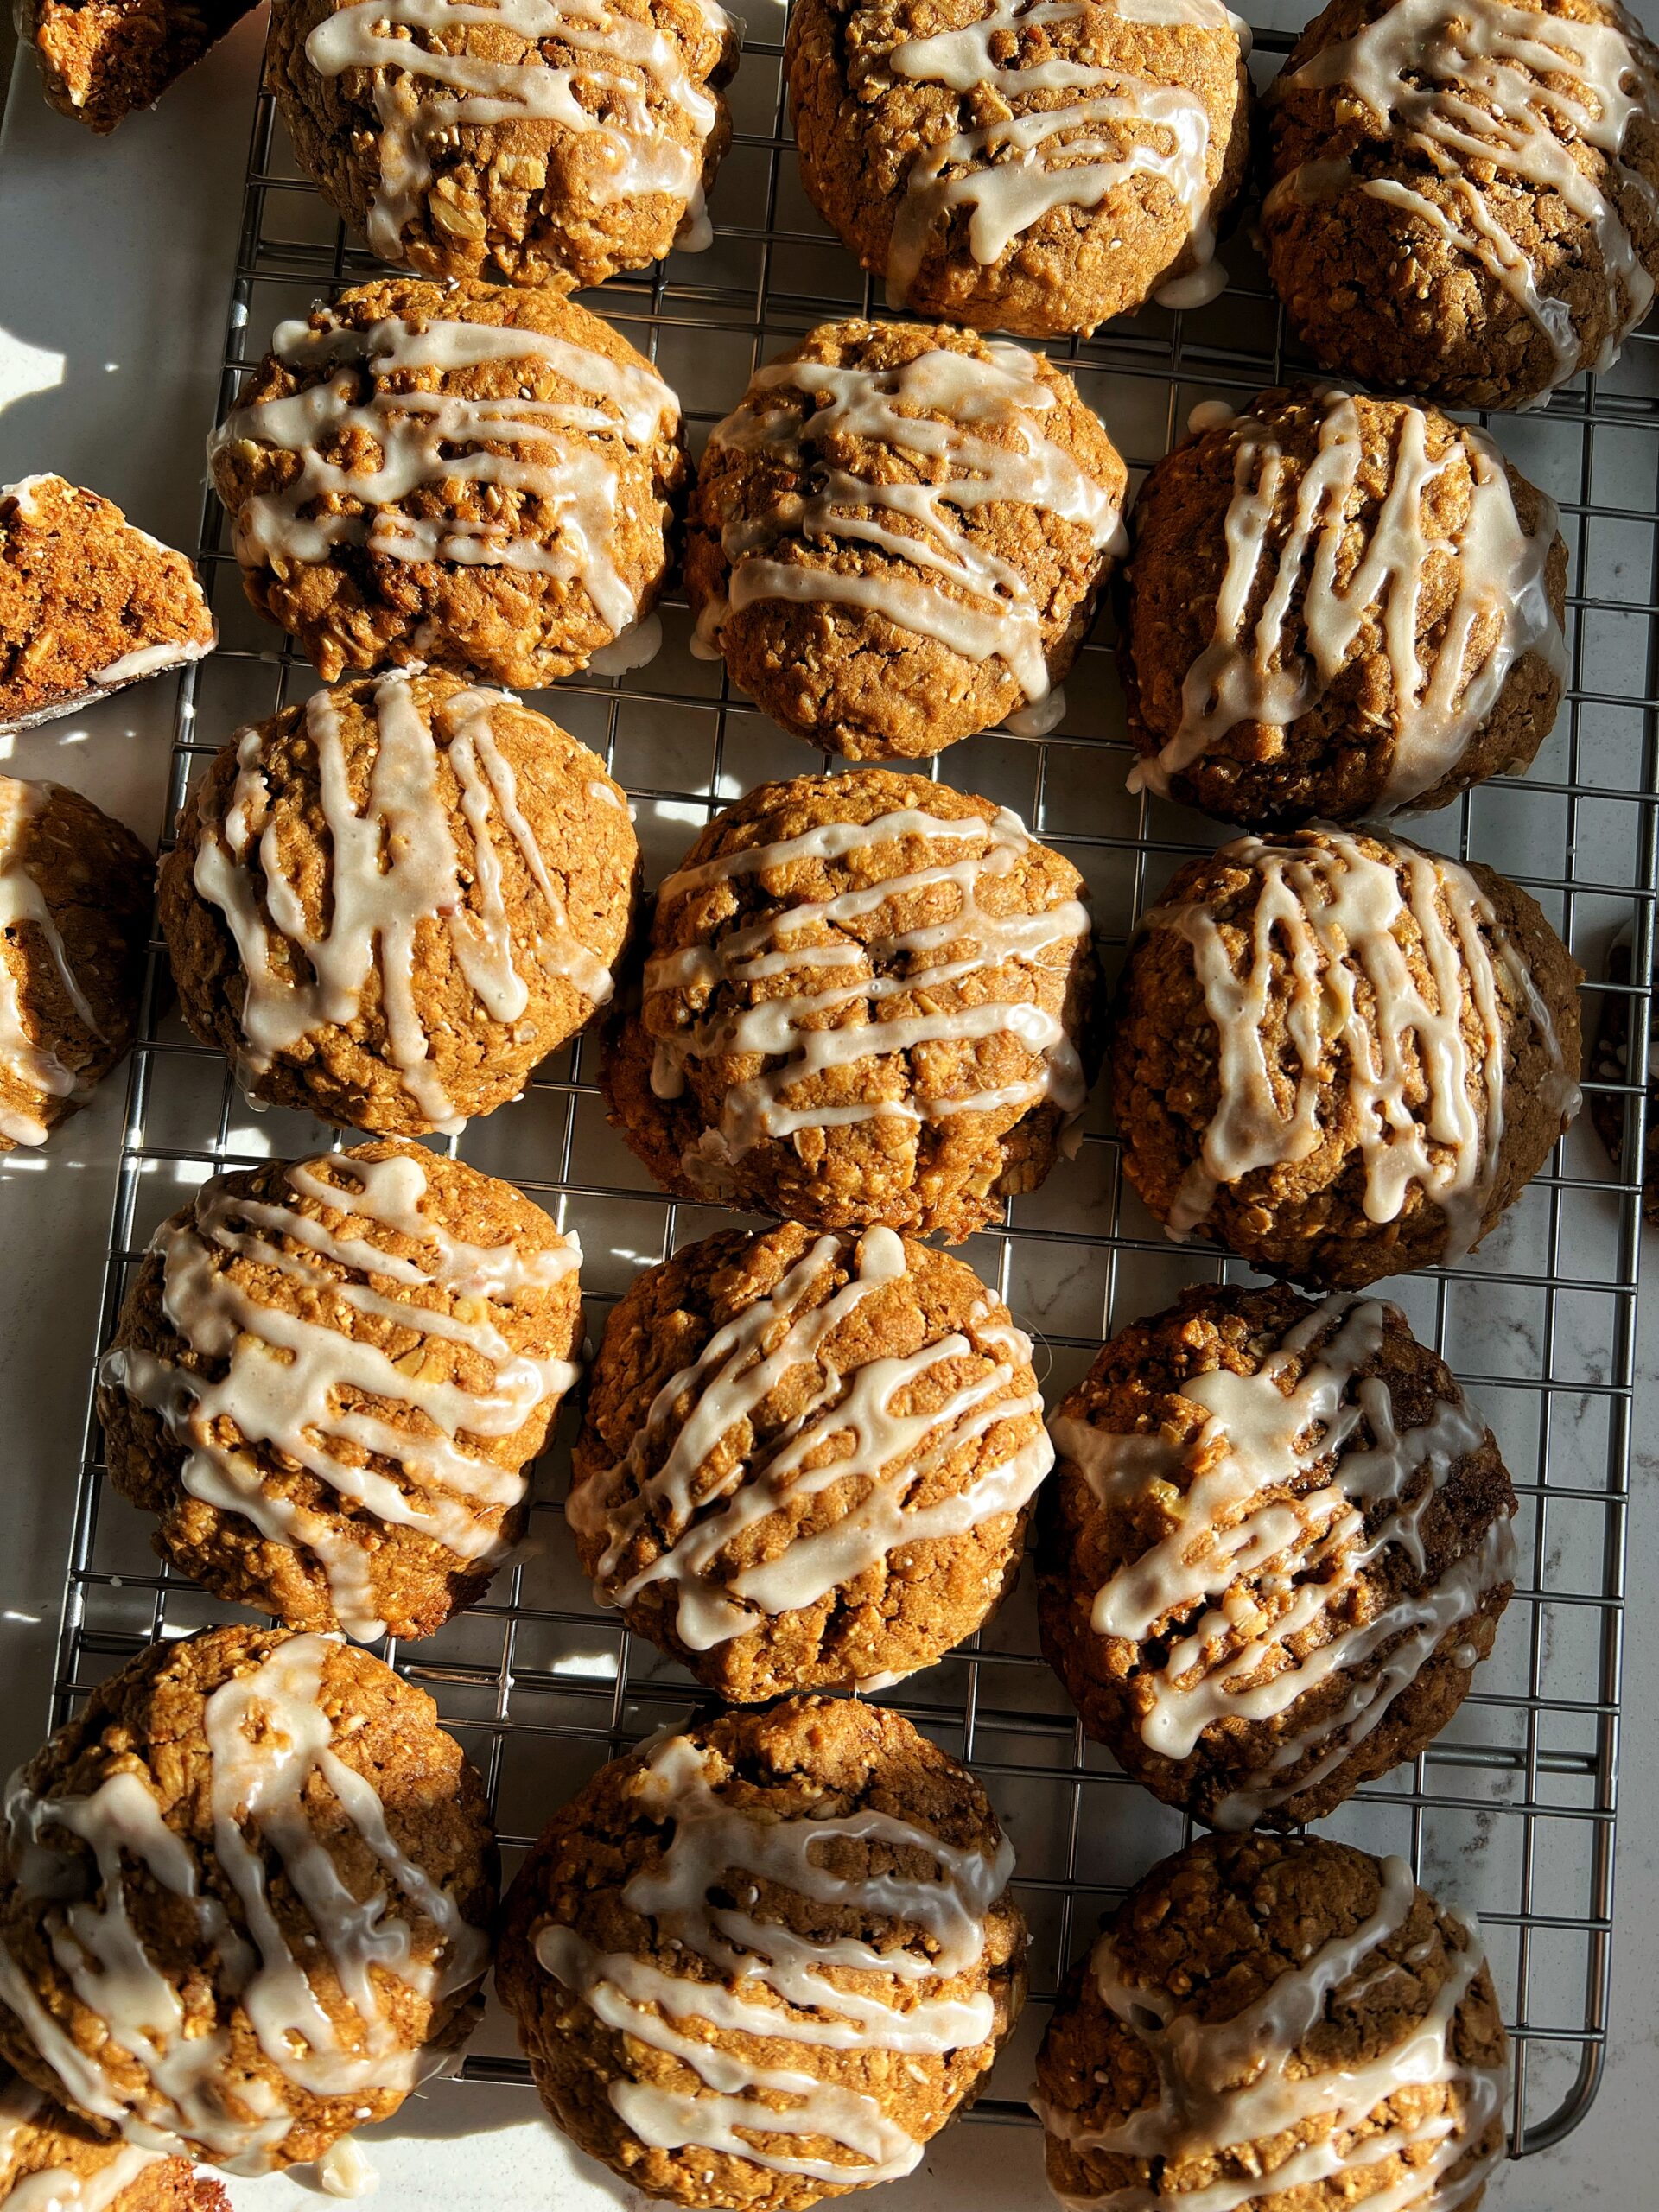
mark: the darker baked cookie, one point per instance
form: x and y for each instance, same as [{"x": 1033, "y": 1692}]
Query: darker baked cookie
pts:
[
  {"x": 478, "y": 479},
  {"x": 388, "y": 904},
  {"x": 866, "y": 441},
  {"x": 850, "y": 1872},
  {"x": 76, "y": 889},
  {"x": 100, "y": 60},
  {"x": 549, "y": 146},
  {"x": 1464, "y": 204},
  {"x": 1036, "y": 170},
  {"x": 1292, "y": 1079},
  {"x": 812, "y": 1045},
  {"x": 806, "y": 1462},
  {"x": 1338, "y": 607},
  {"x": 215, "y": 1822},
  {"x": 327, "y": 1380},
  {"x": 1271, "y": 2020},
  {"x": 1309, "y": 1484}
]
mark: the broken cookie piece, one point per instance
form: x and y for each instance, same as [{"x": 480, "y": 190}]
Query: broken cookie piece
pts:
[{"x": 101, "y": 59}]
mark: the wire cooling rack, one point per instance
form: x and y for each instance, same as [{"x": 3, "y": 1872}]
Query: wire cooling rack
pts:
[{"x": 1512, "y": 1812}]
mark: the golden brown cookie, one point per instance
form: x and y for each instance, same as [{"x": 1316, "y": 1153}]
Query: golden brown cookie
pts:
[
  {"x": 897, "y": 538},
  {"x": 50, "y": 2161},
  {"x": 1035, "y": 169},
  {"x": 328, "y": 1378},
  {"x": 76, "y": 890},
  {"x": 544, "y": 143},
  {"x": 764, "y": 1961},
  {"x": 806, "y": 1462},
  {"x": 1340, "y": 1055},
  {"x": 1275, "y": 1548},
  {"x": 388, "y": 904},
  {"x": 100, "y": 60},
  {"x": 477, "y": 479},
  {"x": 812, "y": 1043},
  {"x": 1338, "y": 607},
  {"x": 268, "y": 1846},
  {"x": 89, "y": 602},
  {"x": 1272, "y": 2021},
  {"x": 1464, "y": 199}
]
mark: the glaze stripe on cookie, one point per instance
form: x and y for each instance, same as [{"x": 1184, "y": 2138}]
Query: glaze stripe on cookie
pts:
[
  {"x": 433, "y": 83},
  {"x": 1458, "y": 82},
  {"x": 25, "y": 1062},
  {"x": 943, "y": 1922},
  {"x": 738, "y": 1367},
  {"x": 1320, "y": 601},
  {"x": 59, "y": 2189},
  {"x": 535, "y": 450},
  {"x": 1034, "y": 158},
  {"x": 394, "y": 866},
  {"x": 272, "y": 1744},
  {"x": 1265, "y": 1591},
  {"x": 910, "y": 963},
  {"x": 1228, "y": 2086},
  {"x": 275, "y": 1378},
  {"x": 929, "y": 413},
  {"x": 1335, "y": 914}
]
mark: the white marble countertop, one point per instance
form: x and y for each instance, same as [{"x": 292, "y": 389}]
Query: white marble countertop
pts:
[{"x": 112, "y": 287}]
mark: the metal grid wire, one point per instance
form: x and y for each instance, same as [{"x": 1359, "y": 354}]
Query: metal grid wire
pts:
[{"x": 1512, "y": 1812}]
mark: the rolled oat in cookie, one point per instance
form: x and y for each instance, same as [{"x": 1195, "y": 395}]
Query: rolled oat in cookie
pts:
[{"x": 101, "y": 60}]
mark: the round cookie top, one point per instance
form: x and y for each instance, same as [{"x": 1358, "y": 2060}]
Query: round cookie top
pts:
[
  {"x": 855, "y": 1878},
  {"x": 327, "y": 1379},
  {"x": 50, "y": 2161},
  {"x": 537, "y": 142},
  {"x": 1338, "y": 607},
  {"x": 1034, "y": 169},
  {"x": 804, "y": 1461},
  {"x": 1275, "y": 1547},
  {"x": 1270, "y": 2020},
  {"x": 1341, "y": 1056},
  {"x": 75, "y": 897},
  {"x": 867, "y": 1001},
  {"x": 274, "y": 1872},
  {"x": 897, "y": 539},
  {"x": 477, "y": 477},
  {"x": 390, "y": 904},
  {"x": 1463, "y": 196}
]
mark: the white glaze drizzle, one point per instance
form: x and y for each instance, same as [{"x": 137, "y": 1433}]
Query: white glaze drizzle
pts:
[
  {"x": 920, "y": 961},
  {"x": 426, "y": 92},
  {"x": 932, "y": 414},
  {"x": 1324, "y": 925},
  {"x": 57, "y": 2188},
  {"x": 741, "y": 1363},
  {"x": 269, "y": 1739},
  {"x": 1016, "y": 169},
  {"x": 1459, "y": 82},
  {"x": 1263, "y": 1587},
  {"x": 560, "y": 455},
  {"x": 1226, "y": 2088},
  {"x": 24, "y": 1059},
  {"x": 394, "y": 865},
  {"x": 752, "y": 1960},
  {"x": 285, "y": 1371},
  {"x": 1289, "y": 657}
]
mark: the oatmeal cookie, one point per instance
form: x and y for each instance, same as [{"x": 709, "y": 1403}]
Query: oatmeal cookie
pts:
[
  {"x": 1037, "y": 170},
  {"x": 388, "y": 904},
  {"x": 328, "y": 1378},
  {"x": 1338, "y": 607},
  {"x": 477, "y": 479},
  {"x": 764, "y": 1961},
  {"x": 76, "y": 890},
  {"x": 101, "y": 60},
  {"x": 50, "y": 2161},
  {"x": 263, "y": 1845},
  {"x": 89, "y": 602},
  {"x": 898, "y": 538},
  {"x": 1310, "y": 1483},
  {"x": 543, "y": 143},
  {"x": 1277, "y": 2021},
  {"x": 806, "y": 1462},
  {"x": 1290, "y": 1075},
  {"x": 1466, "y": 193},
  {"x": 812, "y": 1044}
]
